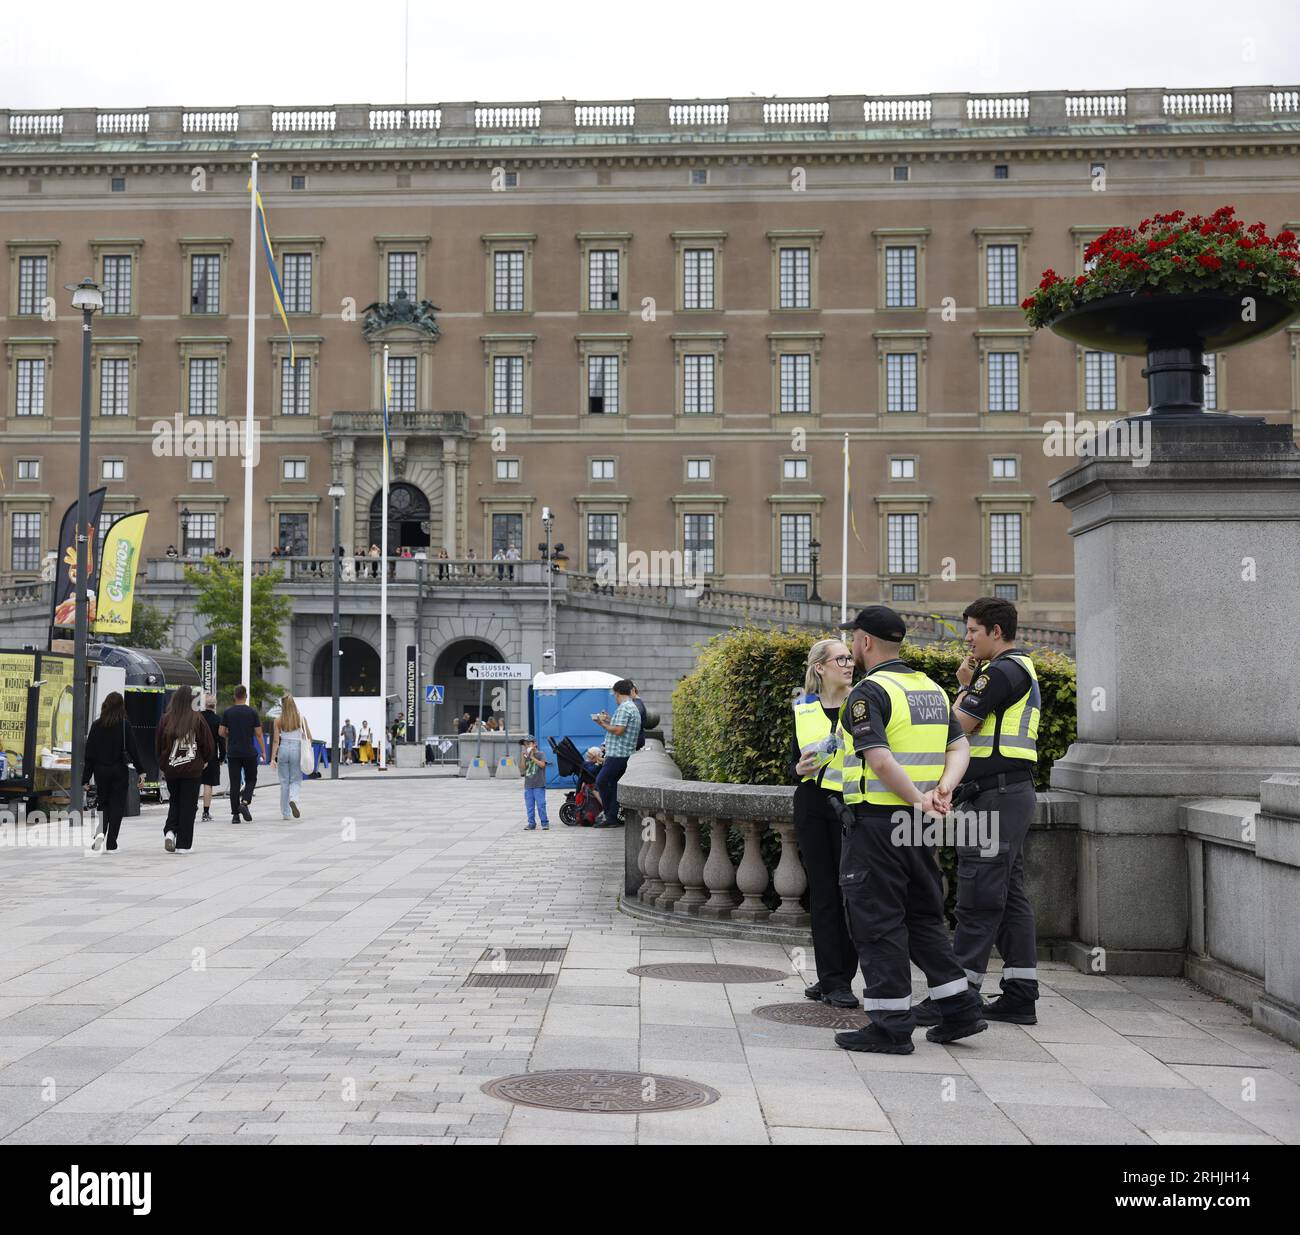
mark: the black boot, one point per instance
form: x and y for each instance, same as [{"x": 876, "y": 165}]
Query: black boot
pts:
[
  {"x": 1013, "y": 1011},
  {"x": 949, "y": 1030},
  {"x": 875, "y": 1040}
]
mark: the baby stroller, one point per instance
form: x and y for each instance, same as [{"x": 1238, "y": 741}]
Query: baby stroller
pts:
[{"x": 582, "y": 806}]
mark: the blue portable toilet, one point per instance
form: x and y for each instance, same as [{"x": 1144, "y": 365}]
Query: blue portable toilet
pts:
[{"x": 560, "y": 705}]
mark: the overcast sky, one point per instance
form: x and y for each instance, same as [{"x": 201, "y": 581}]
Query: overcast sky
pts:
[{"x": 136, "y": 53}]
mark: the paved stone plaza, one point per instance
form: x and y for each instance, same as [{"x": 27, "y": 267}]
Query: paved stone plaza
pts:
[{"x": 287, "y": 984}]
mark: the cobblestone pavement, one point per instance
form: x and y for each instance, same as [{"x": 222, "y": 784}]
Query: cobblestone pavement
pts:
[{"x": 304, "y": 982}]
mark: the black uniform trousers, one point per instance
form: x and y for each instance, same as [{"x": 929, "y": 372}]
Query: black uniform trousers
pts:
[
  {"x": 894, "y": 897},
  {"x": 245, "y": 767},
  {"x": 992, "y": 906},
  {"x": 817, "y": 831}
]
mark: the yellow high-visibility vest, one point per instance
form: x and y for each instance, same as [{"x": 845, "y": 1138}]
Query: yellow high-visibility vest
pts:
[
  {"x": 811, "y": 727},
  {"x": 1014, "y": 733},
  {"x": 917, "y": 734}
]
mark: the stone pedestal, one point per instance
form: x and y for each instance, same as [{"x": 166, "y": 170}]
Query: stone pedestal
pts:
[{"x": 1187, "y": 585}]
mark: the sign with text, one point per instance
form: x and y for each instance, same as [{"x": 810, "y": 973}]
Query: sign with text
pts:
[
  {"x": 412, "y": 690},
  {"x": 208, "y": 670},
  {"x": 482, "y": 671}
]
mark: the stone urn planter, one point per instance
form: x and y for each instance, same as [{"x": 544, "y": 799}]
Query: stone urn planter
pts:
[{"x": 1173, "y": 331}]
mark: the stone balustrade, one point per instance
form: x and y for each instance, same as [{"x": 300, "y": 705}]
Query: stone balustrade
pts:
[
  {"x": 667, "y": 876},
  {"x": 658, "y": 120}
]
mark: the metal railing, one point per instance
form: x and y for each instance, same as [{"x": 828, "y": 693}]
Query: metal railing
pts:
[{"x": 363, "y": 568}]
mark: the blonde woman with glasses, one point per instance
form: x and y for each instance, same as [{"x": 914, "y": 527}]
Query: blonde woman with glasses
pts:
[
  {"x": 292, "y": 737},
  {"x": 828, "y": 677}
]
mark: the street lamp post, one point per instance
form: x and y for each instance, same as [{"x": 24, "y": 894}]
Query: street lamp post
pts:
[
  {"x": 185, "y": 531},
  {"x": 87, "y": 297},
  {"x": 336, "y": 491},
  {"x": 814, "y": 551},
  {"x": 548, "y": 522}
]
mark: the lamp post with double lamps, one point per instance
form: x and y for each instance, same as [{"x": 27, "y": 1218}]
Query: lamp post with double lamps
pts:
[
  {"x": 87, "y": 297},
  {"x": 548, "y": 522},
  {"x": 336, "y": 491}
]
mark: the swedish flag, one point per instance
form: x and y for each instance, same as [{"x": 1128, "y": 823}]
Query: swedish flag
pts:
[{"x": 276, "y": 288}]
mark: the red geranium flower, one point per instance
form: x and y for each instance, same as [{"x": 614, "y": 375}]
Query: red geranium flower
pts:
[{"x": 1209, "y": 261}]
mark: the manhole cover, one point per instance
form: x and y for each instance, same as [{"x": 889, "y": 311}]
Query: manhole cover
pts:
[
  {"x": 523, "y": 954},
  {"x": 535, "y": 981},
  {"x": 709, "y": 973},
  {"x": 603, "y": 1093},
  {"x": 814, "y": 1015}
]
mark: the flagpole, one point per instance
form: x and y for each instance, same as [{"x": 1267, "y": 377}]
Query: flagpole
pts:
[
  {"x": 246, "y": 639},
  {"x": 844, "y": 541},
  {"x": 383, "y": 585}
]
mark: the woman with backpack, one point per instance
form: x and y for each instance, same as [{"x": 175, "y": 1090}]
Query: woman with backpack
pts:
[
  {"x": 112, "y": 758},
  {"x": 185, "y": 747},
  {"x": 291, "y": 738}
]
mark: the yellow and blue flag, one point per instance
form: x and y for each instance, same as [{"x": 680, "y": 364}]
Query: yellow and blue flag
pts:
[
  {"x": 384, "y": 406},
  {"x": 277, "y": 290},
  {"x": 853, "y": 522}
]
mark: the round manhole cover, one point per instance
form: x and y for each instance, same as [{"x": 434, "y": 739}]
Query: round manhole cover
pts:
[
  {"x": 814, "y": 1015},
  {"x": 709, "y": 973},
  {"x": 601, "y": 1093}
]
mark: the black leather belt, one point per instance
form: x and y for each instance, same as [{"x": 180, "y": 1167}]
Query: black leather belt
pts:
[{"x": 995, "y": 780}]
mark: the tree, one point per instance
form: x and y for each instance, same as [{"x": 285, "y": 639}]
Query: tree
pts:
[
  {"x": 220, "y": 598},
  {"x": 150, "y": 627}
]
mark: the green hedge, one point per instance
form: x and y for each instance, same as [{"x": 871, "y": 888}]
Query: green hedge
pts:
[{"x": 732, "y": 720}]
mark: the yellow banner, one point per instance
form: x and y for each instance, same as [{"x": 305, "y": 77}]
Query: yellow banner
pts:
[{"x": 119, "y": 559}]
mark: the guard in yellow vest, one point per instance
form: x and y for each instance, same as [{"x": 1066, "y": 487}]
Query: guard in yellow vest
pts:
[
  {"x": 998, "y": 705},
  {"x": 828, "y": 676},
  {"x": 913, "y": 752}
]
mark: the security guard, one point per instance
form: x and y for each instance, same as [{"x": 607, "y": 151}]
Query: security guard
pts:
[
  {"x": 900, "y": 724},
  {"x": 828, "y": 676},
  {"x": 998, "y": 704}
]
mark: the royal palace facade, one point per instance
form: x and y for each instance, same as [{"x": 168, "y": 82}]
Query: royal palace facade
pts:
[{"x": 657, "y": 318}]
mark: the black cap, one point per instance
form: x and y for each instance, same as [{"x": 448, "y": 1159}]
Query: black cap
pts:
[{"x": 878, "y": 620}]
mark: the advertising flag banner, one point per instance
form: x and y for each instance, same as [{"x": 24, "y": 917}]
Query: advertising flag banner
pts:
[
  {"x": 120, "y": 558},
  {"x": 63, "y": 603}
]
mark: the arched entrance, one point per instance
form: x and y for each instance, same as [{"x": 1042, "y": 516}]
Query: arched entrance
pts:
[
  {"x": 460, "y": 694},
  {"x": 408, "y": 510},
  {"x": 358, "y": 669}
]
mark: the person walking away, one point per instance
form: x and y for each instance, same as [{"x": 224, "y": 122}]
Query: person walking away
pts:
[
  {"x": 349, "y": 737},
  {"x": 998, "y": 705},
  {"x": 242, "y": 729},
  {"x": 212, "y": 773},
  {"x": 289, "y": 734},
  {"x": 623, "y": 729},
  {"x": 111, "y": 757},
  {"x": 828, "y": 676},
  {"x": 532, "y": 763},
  {"x": 184, "y": 748},
  {"x": 914, "y": 753}
]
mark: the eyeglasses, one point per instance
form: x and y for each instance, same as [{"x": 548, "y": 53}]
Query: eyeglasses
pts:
[{"x": 843, "y": 661}]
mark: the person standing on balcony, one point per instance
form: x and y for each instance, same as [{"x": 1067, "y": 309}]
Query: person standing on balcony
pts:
[
  {"x": 512, "y": 556},
  {"x": 443, "y": 568},
  {"x": 998, "y": 705},
  {"x": 828, "y": 676},
  {"x": 623, "y": 729},
  {"x": 472, "y": 558}
]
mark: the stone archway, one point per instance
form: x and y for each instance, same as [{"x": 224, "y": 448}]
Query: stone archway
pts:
[
  {"x": 358, "y": 668},
  {"x": 460, "y": 694},
  {"x": 409, "y": 517}
]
